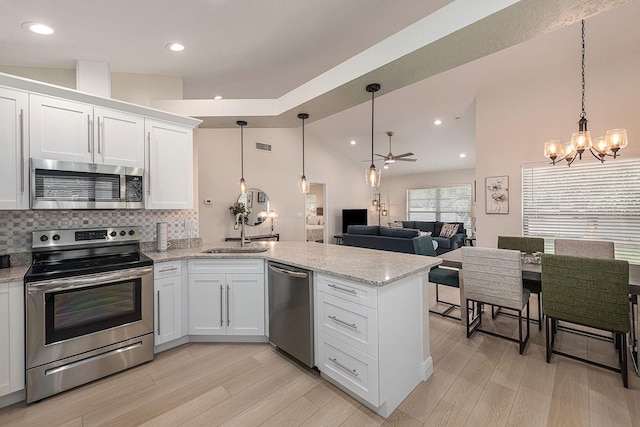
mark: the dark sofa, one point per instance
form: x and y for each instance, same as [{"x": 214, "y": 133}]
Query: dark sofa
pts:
[
  {"x": 444, "y": 244},
  {"x": 388, "y": 239}
]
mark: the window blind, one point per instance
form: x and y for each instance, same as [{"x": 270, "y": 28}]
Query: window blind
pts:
[
  {"x": 446, "y": 204},
  {"x": 592, "y": 202}
]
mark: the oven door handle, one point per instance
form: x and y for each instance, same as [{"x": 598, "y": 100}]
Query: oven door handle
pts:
[{"x": 69, "y": 283}]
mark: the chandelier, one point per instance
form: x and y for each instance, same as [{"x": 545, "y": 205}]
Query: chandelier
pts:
[{"x": 608, "y": 145}]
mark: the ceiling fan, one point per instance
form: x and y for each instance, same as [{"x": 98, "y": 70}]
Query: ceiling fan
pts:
[{"x": 390, "y": 158}]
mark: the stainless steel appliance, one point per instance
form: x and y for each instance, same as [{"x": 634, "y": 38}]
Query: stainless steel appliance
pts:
[
  {"x": 73, "y": 185},
  {"x": 291, "y": 311},
  {"x": 89, "y": 307}
]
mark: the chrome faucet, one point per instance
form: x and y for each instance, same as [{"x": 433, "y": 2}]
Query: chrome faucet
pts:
[{"x": 240, "y": 220}]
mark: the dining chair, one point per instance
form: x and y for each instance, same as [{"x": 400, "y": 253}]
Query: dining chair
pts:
[
  {"x": 528, "y": 245},
  {"x": 494, "y": 276},
  {"x": 591, "y": 292},
  {"x": 447, "y": 277},
  {"x": 589, "y": 249},
  {"x": 585, "y": 248}
]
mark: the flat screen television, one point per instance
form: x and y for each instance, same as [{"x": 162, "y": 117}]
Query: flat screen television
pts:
[{"x": 353, "y": 217}]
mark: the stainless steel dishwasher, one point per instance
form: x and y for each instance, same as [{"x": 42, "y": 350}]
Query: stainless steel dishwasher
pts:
[{"x": 291, "y": 311}]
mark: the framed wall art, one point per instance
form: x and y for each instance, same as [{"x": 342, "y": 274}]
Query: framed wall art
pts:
[{"x": 497, "y": 198}]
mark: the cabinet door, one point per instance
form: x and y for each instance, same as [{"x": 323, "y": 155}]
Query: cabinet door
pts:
[
  {"x": 207, "y": 309},
  {"x": 118, "y": 138},
  {"x": 11, "y": 337},
  {"x": 14, "y": 162},
  {"x": 169, "y": 166},
  {"x": 246, "y": 304},
  {"x": 168, "y": 308},
  {"x": 60, "y": 130}
]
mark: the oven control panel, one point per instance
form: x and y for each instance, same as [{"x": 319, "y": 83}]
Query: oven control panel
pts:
[{"x": 84, "y": 236}]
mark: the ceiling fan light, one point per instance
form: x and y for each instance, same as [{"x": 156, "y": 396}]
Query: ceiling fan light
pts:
[{"x": 389, "y": 161}]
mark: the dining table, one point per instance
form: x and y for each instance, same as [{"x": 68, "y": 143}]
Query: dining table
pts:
[{"x": 532, "y": 271}]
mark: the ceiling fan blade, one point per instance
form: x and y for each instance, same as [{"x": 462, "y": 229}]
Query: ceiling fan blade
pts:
[
  {"x": 403, "y": 155},
  {"x": 405, "y": 160},
  {"x": 380, "y": 155}
]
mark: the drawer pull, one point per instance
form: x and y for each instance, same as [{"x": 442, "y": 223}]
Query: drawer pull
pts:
[
  {"x": 342, "y": 322},
  {"x": 338, "y": 288},
  {"x": 164, "y": 270},
  {"x": 340, "y": 365}
]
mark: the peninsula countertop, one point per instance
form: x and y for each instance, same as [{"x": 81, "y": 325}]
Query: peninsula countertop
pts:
[{"x": 369, "y": 266}]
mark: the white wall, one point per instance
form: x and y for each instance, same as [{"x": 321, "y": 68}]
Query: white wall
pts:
[
  {"x": 142, "y": 89},
  {"x": 276, "y": 173},
  {"x": 512, "y": 124},
  {"x": 393, "y": 190}
]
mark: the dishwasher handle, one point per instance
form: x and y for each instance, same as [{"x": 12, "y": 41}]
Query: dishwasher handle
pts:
[{"x": 297, "y": 274}]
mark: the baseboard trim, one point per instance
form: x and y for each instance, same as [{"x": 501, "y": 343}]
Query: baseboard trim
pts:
[{"x": 426, "y": 369}]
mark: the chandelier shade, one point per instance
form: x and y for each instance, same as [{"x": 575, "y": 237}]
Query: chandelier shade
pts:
[
  {"x": 372, "y": 175},
  {"x": 581, "y": 141}
]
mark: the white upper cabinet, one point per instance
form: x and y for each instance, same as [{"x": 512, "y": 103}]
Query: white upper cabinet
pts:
[
  {"x": 14, "y": 162},
  {"x": 74, "y": 131},
  {"x": 169, "y": 166}
]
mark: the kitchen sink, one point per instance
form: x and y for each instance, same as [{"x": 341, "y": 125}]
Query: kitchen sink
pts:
[{"x": 236, "y": 250}]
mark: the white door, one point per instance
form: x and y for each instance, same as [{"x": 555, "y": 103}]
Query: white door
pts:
[
  {"x": 118, "y": 138},
  {"x": 207, "y": 311},
  {"x": 169, "y": 166},
  {"x": 168, "y": 308},
  {"x": 14, "y": 161},
  {"x": 60, "y": 130},
  {"x": 246, "y": 304}
]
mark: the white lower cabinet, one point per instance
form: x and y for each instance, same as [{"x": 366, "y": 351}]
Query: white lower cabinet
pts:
[
  {"x": 368, "y": 339},
  {"x": 226, "y": 297},
  {"x": 167, "y": 285},
  {"x": 11, "y": 337}
]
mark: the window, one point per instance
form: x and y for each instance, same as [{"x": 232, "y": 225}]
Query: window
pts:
[
  {"x": 591, "y": 201},
  {"x": 446, "y": 204}
]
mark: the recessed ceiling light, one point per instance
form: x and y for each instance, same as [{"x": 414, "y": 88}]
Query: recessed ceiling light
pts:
[
  {"x": 437, "y": 122},
  {"x": 38, "y": 28},
  {"x": 217, "y": 97},
  {"x": 462, "y": 155},
  {"x": 353, "y": 142},
  {"x": 175, "y": 47}
]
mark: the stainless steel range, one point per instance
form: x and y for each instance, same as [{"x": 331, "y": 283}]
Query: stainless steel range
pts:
[{"x": 89, "y": 307}]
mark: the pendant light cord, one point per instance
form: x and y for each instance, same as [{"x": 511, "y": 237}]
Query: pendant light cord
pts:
[
  {"x": 242, "y": 151},
  {"x": 372, "y": 108},
  {"x": 302, "y": 146},
  {"x": 583, "y": 114}
]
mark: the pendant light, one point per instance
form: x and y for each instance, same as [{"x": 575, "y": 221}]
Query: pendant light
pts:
[
  {"x": 609, "y": 145},
  {"x": 243, "y": 184},
  {"x": 303, "y": 183},
  {"x": 372, "y": 175}
]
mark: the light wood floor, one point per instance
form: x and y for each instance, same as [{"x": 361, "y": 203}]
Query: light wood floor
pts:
[{"x": 481, "y": 381}]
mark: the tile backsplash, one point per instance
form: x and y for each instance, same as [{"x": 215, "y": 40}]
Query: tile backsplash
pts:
[{"x": 16, "y": 226}]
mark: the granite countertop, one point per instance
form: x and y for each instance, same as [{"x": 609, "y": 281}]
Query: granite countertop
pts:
[
  {"x": 373, "y": 267},
  {"x": 13, "y": 274}
]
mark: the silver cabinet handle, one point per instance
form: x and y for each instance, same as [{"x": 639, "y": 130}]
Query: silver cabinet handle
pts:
[
  {"x": 338, "y": 288},
  {"x": 221, "y": 321},
  {"x": 228, "y": 321},
  {"x": 342, "y": 322},
  {"x": 21, "y": 150},
  {"x": 340, "y": 365},
  {"x": 89, "y": 129},
  {"x": 164, "y": 270},
  {"x": 158, "y": 293},
  {"x": 100, "y": 129},
  {"x": 149, "y": 168}
]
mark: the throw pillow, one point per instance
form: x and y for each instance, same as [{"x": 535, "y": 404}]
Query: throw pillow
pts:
[
  {"x": 313, "y": 220},
  {"x": 448, "y": 230},
  {"x": 395, "y": 224},
  {"x": 320, "y": 220},
  {"x": 425, "y": 233}
]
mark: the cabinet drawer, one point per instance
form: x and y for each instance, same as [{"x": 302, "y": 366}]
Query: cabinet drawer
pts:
[
  {"x": 167, "y": 269},
  {"x": 348, "y": 290},
  {"x": 352, "y": 369},
  {"x": 351, "y": 323},
  {"x": 224, "y": 266}
]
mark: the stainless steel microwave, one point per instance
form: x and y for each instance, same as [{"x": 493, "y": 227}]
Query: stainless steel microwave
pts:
[{"x": 73, "y": 185}]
